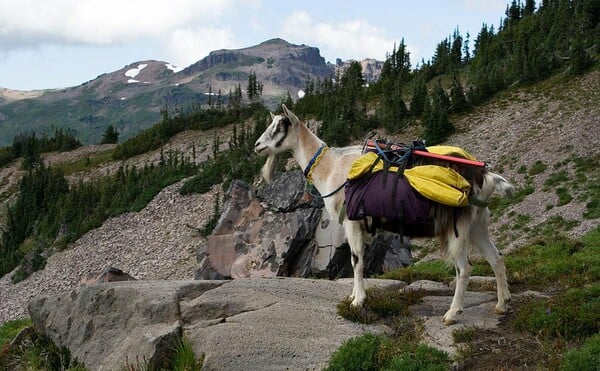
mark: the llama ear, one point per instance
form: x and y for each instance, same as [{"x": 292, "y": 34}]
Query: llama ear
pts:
[
  {"x": 272, "y": 115},
  {"x": 290, "y": 115}
]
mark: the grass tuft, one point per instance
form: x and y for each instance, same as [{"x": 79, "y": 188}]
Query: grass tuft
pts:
[
  {"x": 375, "y": 352},
  {"x": 434, "y": 270},
  {"x": 572, "y": 315},
  {"x": 583, "y": 358},
  {"x": 380, "y": 303}
]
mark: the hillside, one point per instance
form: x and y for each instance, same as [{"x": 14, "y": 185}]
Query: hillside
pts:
[
  {"x": 529, "y": 135},
  {"x": 131, "y": 98}
]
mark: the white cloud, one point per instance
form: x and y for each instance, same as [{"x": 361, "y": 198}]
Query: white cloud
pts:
[
  {"x": 188, "y": 45},
  {"x": 101, "y": 21},
  {"x": 355, "y": 39}
]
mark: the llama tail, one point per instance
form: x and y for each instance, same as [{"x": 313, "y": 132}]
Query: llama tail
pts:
[{"x": 495, "y": 183}]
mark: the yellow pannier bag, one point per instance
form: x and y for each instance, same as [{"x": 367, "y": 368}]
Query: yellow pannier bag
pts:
[
  {"x": 437, "y": 183},
  {"x": 364, "y": 165},
  {"x": 451, "y": 151}
]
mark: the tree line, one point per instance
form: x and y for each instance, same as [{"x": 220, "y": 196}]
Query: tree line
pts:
[{"x": 529, "y": 45}]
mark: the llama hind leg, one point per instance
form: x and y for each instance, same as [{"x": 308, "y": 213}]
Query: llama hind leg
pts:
[
  {"x": 481, "y": 239},
  {"x": 457, "y": 252},
  {"x": 355, "y": 237}
]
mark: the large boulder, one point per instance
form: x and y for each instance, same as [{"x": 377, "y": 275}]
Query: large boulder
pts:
[
  {"x": 110, "y": 325},
  {"x": 279, "y": 230}
]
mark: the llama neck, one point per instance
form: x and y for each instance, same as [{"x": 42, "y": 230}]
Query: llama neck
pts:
[
  {"x": 308, "y": 145},
  {"x": 325, "y": 173}
]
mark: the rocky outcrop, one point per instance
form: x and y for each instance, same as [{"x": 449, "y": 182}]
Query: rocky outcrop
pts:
[
  {"x": 371, "y": 68},
  {"x": 245, "y": 324},
  {"x": 278, "y": 230},
  {"x": 238, "y": 325}
]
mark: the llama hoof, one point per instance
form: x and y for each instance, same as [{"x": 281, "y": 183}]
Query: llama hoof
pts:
[
  {"x": 357, "y": 302},
  {"x": 449, "y": 322},
  {"x": 501, "y": 309},
  {"x": 450, "y": 317}
]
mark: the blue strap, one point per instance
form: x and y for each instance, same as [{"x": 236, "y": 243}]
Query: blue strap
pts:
[{"x": 312, "y": 161}]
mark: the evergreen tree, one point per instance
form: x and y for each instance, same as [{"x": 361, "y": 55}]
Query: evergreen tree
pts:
[
  {"x": 440, "y": 98},
  {"x": 466, "y": 51},
  {"x": 395, "y": 74},
  {"x": 456, "y": 50},
  {"x": 513, "y": 13},
  {"x": 419, "y": 98},
  {"x": 437, "y": 125},
  {"x": 219, "y": 100},
  {"x": 458, "y": 100},
  {"x": 254, "y": 88},
  {"x": 441, "y": 62},
  {"x": 529, "y": 7},
  {"x": 110, "y": 136},
  {"x": 579, "y": 60}
]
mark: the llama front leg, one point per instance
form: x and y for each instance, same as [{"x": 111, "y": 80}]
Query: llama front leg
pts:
[
  {"x": 355, "y": 235},
  {"x": 481, "y": 239}
]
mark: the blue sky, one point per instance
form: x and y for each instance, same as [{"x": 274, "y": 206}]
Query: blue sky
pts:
[{"x": 59, "y": 43}]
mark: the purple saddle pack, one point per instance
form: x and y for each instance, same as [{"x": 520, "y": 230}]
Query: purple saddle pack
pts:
[{"x": 392, "y": 203}]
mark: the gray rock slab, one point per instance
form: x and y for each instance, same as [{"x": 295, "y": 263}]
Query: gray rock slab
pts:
[
  {"x": 245, "y": 324},
  {"x": 109, "y": 325},
  {"x": 270, "y": 324},
  {"x": 431, "y": 287},
  {"x": 478, "y": 313},
  {"x": 254, "y": 323}
]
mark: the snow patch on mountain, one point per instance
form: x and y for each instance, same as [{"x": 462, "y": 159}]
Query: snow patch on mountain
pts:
[
  {"x": 135, "y": 71},
  {"x": 173, "y": 68}
]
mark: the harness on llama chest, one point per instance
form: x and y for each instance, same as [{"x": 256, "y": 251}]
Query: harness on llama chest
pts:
[{"x": 389, "y": 184}]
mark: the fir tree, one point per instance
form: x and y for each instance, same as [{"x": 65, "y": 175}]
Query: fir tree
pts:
[
  {"x": 458, "y": 100},
  {"x": 419, "y": 98},
  {"x": 110, "y": 136}
]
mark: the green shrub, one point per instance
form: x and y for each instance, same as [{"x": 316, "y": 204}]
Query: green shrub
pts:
[
  {"x": 358, "y": 354},
  {"x": 435, "y": 270},
  {"x": 10, "y": 329},
  {"x": 422, "y": 357},
  {"x": 35, "y": 352},
  {"x": 563, "y": 196},
  {"x": 375, "y": 352},
  {"x": 561, "y": 263},
  {"x": 499, "y": 204},
  {"x": 185, "y": 359},
  {"x": 209, "y": 174},
  {"x": 537, "y": 168},
  {"x": 379, "y": 304},
  {"x": 572, "y": 315},
  {"x": 556, "y": 178},
  {"x": 6, "y": 156},
  {"x": 587, "y": 357}
]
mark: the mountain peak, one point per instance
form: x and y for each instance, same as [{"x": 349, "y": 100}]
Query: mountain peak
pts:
[{"x": 276, "y": 41}]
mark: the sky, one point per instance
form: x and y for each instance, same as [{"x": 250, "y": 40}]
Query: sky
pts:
[{"x": 48, "y": 44}]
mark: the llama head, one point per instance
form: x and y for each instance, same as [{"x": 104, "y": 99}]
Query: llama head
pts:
[{"x": 280, "y": 136}]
